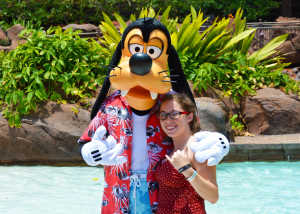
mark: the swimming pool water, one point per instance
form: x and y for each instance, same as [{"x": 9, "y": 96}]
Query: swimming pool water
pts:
[
  {"x": 245, "y": 188},
  {"x": 258, "y": 188}
]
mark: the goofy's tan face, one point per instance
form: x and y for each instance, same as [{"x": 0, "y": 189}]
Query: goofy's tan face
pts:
[{"x": 142, "y": 73}]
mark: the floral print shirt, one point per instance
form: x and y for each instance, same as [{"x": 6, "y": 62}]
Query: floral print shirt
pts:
[{"x": 115, "y": 114}]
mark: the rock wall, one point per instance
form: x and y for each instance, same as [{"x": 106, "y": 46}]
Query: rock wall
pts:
[
  {"x": 10, "y": 39},
  {"x": 213, "y": 116},
  {"x": 271, "y": 111},
  {"x": 49, "y": 136},
  {"x": 46, "y": 137}
]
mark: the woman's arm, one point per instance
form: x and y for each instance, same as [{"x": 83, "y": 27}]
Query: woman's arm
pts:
[{"x": 204, "y": 182}]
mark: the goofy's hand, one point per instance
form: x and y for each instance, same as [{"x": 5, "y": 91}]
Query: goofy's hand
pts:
[
  {"x": 102, "y": 150},
  {"x": 210, "y": 146}
]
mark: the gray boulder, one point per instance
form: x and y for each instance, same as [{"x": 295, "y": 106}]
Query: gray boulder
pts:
[
  {"x": 83, "y": 27},
  {"x": 213, "y": 116},
  {"x": 48, "y": 136},
  {"x": 272, "y": 112},
  {"x": 13, "y": 39}
]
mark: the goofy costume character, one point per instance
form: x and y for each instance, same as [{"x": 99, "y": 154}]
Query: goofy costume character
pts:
[{"x": 125, "y": 134}]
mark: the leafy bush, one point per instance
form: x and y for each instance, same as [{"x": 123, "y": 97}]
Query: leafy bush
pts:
[
  {"x": 52, "y": 65},
  {"x": 46, "y": 13},
  {"x": 217, "y": 57},
  {"x": 59, "y": 65},
  {"x": 237, "y": 126},
  {"x": 218, "y": 53},
  {"x": 254, "y": 9},
  {"x": 235, "y": 76}
]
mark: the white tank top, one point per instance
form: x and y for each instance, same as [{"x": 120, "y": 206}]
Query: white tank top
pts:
[{"x": 139, "y": 155}]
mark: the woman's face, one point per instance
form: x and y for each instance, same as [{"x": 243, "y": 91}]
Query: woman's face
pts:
[{"x": 179, "y": 126}]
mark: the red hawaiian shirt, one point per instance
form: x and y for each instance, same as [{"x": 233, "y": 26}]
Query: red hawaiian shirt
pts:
[{"x": 115, "y": 115}]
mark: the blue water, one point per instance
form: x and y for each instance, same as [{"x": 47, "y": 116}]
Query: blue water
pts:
[{"x": 245, "y": 188}]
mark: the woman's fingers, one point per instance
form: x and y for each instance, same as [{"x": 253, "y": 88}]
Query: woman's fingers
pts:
[{"x": 186, "y": 149}]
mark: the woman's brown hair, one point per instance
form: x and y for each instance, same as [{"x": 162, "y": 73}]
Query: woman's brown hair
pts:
[{"x": 187, "y": 105}]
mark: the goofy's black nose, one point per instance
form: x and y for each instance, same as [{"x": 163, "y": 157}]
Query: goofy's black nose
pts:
[{"x": 140, "y": 64}]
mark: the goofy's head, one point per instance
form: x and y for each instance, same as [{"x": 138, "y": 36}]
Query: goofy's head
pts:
[{"x": 144, "y": 65}]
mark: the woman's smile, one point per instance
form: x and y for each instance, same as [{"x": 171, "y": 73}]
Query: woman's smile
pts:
[
  {"x": 174, "y": 127},
  {"x": 170, "y": 129}
]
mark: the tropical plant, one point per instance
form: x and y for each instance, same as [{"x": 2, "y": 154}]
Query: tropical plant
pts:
[
  {"x": 216, "y": 56},
  {"x": 53, "y": 65},
  {"x": 47, "y": 13},
  {"x": 236, "y": 125},
  {"x": 59, "y": 12}
]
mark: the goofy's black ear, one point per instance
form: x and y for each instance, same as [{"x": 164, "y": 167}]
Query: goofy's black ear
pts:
[
  {"x": 106, "y": 84},
  {"x": 178, "y": 79}
]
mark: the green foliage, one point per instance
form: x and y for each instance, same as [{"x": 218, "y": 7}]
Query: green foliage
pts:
[
  {"x": 236, "y": 77},
  {"x": 45, "y": 13},
  {"x": 254, "y": 9},
  {"x": 220, "y": 60},
  {"x": 52, "y": 65},
  {"x": 4, "y": 42},
  {"x": 112, "y": 35},
  {"x": 59, "y": 65},
  {"x": 236, "y": 125},
  {"x": 217, "y": 57}
]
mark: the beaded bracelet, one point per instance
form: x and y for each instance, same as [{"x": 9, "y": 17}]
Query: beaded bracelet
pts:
[
  {"x": 185, "y": 167},
  {"x": 193, "y": 176}
]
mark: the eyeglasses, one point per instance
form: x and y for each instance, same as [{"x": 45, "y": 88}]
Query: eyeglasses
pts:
[{"x": 172, "y": 115}]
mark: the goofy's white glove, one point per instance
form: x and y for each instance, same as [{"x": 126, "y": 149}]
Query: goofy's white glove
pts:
[
  {"x": 102, "y": 150},
  {"x": 209, "y": 146}
]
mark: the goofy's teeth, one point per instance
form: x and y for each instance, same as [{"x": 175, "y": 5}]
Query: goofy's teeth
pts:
[
  {"x": 124, "y": 93},
  {"x": 153, "y": 95}
]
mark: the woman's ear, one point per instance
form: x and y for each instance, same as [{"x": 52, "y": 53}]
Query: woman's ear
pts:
[
  {"x": 106, "y": 84},
  {"x": 190, "y": 117}
]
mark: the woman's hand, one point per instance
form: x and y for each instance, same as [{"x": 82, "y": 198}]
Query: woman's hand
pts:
[
  {"x": 180, "y": 157},
  {"x": 205, "y": 183}
]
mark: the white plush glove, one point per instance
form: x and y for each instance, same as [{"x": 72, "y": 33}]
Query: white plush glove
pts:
[
  {"x": 210, "y": 146},
  {"x": 102, "y": 150}
]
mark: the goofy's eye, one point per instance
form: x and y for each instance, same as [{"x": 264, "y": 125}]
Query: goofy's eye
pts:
[
  {"x": 153, "y": 51},
  {"x": 136, "y": 48}
]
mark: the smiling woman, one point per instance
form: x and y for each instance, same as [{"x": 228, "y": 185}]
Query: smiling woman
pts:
[
  {"x": 140, "y": 70},
  {"x": 176, "y": 104},
  {"x": 175, "y": 121},
  {"x": 184, "y": 183}
]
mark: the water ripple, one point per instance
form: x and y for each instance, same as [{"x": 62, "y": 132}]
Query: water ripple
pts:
[{"x": 245, "y": 188}]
